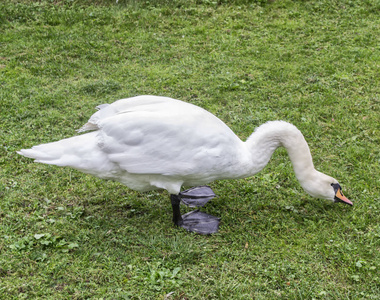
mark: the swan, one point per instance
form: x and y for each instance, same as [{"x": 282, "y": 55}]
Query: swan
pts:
[{"x": 153, "y": 142}]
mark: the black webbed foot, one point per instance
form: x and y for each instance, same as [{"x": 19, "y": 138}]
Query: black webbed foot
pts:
[
  {"x": 197, "y": 196},
  {"x": 195, "y": 221},
  {"x": 200, "y": 222}
]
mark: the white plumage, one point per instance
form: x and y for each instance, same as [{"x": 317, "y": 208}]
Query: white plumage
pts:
[{"x": 151, "y": 142}]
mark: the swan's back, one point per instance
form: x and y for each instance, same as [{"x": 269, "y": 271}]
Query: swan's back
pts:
[{"x": 143, "y": 104}]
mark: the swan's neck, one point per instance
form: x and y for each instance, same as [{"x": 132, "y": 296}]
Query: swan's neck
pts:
[{"x": 269, "y": 136}]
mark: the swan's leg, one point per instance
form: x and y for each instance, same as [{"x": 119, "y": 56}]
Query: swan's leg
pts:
[
  {"x": 177, "y": 218},
  {"x": 195, "y": 221}
]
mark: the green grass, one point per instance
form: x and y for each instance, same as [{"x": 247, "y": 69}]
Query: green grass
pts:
[{"x": 66, "y": 235}]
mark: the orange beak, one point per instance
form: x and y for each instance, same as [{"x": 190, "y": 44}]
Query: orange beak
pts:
[{"x": 339, "y": 197}]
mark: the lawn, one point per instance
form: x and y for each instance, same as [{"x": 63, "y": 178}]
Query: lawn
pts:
[{"x": 67, "y": 235}]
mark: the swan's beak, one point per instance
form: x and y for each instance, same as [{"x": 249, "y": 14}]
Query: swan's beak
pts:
[{"x": 339, "y": 197}]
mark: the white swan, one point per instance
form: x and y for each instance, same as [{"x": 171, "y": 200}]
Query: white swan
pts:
[{"x": 151, "y": 142}]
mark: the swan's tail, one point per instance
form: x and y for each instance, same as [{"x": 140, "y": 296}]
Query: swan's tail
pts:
[{"x": 80, "y": 152}]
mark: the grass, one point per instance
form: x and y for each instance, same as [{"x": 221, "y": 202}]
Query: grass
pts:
[{"x": 66, "y": 235}]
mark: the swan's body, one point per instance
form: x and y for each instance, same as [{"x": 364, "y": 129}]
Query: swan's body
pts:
[{"x": 150, "y": 142}]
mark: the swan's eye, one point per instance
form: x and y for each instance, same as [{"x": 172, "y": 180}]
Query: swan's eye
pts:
[{"x": 336, "y": 186}]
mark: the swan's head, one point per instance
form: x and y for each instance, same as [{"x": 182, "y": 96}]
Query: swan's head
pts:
[{"x": 325, "y": 187}]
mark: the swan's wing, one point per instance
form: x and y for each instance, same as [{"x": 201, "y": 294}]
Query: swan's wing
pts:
[{"x": 171, "y": 138}]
